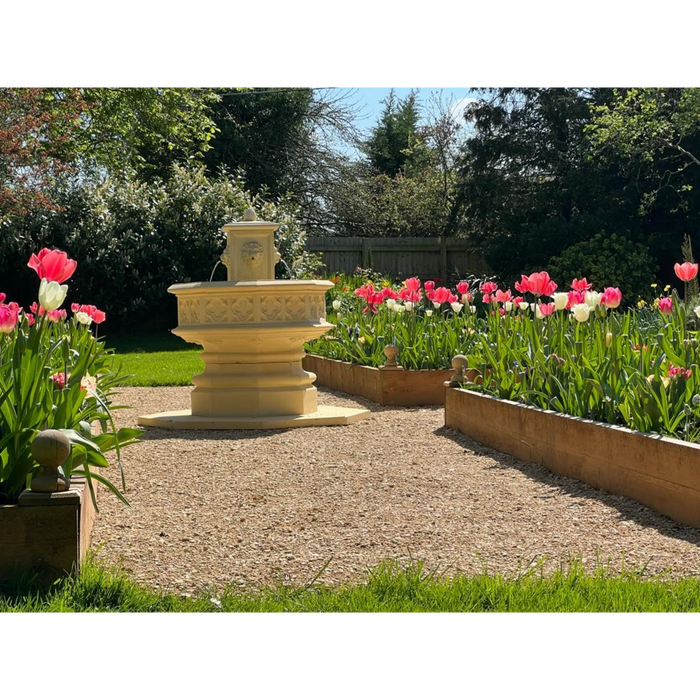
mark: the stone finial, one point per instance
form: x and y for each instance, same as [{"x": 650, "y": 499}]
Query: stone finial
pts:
[
  {"x": 459, "y": 365},
  {"x": 390, "y": 351},
  {"x": 51, "y": 449},
  {"x": 250, "y": 215}
]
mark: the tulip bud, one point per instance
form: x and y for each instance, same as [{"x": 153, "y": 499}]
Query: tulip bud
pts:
[
  {"x": 336, "y": 304},
  {"x": 608, "y": 339}
]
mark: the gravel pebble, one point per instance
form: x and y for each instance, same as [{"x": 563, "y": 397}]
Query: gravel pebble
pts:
[{"x": 252, "y": 508}]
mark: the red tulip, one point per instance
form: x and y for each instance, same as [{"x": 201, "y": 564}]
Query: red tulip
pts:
[
  {"x": 2, "y": 297},
  {"x": 429, "y": 286},
  {"x": 441, "y": 295},
  {"x": 687, "y": 271},
  {"x": 582, "y": 285},
  {"x": 488, "y": 287},
  {"x": 503, "y": 297},
  {"x": 538, "y": 283},
  {"x": 462, "y": 287},
  {"x": 52, "y": 265},
  {"x": 412, "y": 284}
]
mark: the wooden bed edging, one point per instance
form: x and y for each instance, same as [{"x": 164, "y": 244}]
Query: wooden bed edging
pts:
[
  {"x": 662, "y": 473},
  {"x": 47, "y": 539},
  {"x": 388, "y": 387}
]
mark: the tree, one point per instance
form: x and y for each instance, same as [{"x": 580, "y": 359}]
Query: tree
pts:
[
  {"x": 393, "y": 143},
  {"x": 649, "y": 127},
  {"x": 37, "y": 128}
]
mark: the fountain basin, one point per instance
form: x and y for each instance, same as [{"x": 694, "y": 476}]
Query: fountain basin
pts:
[{"x": 252, "y": 333}]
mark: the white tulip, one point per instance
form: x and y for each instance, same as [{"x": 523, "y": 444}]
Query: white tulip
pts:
[
  {"x": 592, "y": 299},
  {"x": 697, "y": 311},
  {"x": 336, "y": 304},
  {"x": 408, "y": 306},
  {"x": 82, "y": 317},
  {"x": 399, "y": 308},
  {"x": 523, "y": 305},
  {"x": 533, "y": 307},
  {"x": 52, "y": 294},
  {"x": 436, "y": 305},
  {"x": 560, "y": 299},
  {"x": 456, "y": 306},
  {"x": 429, "y": 312},
  {"x": 538, "y": 313},
  {"x": 391, "y": 304},
  {"x": 508, "y": 306},
  {"x": 472, "y": 309},
  {"x": 581, "y": 312}
]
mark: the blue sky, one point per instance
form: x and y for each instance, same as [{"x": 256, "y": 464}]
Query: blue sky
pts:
[{"x": 371, "y": 99}]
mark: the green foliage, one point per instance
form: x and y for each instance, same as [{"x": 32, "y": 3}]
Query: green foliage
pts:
[
  {"x": 134, "y": 239},
  {"x": 31, "y": 401},
  {"x": 388, "y": 587},
  {"x": 257, "y": 132},
  {"x": 608, "y": 261},
  {"x": 548, "y": 168}
]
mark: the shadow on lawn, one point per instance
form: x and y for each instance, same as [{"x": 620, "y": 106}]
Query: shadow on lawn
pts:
[{"x": 627, "y": 508}]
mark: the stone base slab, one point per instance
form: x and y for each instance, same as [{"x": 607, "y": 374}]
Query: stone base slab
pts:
[{"x": 184, "y": 420}]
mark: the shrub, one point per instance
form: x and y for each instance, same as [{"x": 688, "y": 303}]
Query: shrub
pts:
[
  {"x": 608, "y": 261},
  {"x": 135, "y": 239}
]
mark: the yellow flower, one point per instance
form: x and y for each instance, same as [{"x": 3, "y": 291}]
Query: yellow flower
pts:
[
  {"x": 641, "y": 304},
  {"x": 667, "y": 287},
  {"x": 654, "y": 286}
]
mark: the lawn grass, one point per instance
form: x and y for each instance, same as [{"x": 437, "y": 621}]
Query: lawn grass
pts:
[
  {"x": 155, "y": 359},
  {"x": 390, "y": 587}
]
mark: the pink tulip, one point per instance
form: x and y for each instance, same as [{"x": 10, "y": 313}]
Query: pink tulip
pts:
[
  {"x": 612, "y": 297},
  {"x": 486, "y": 298},
  {"x": 57, "y": 315},
  {"x": 666, "y": 305},
  {"x": 59, "y": 380},
  {"x": 412, "y": 284},
  {"x": 488, "y": 287},
  {"x": 687, "y": 271},
  {"x": 429, "y": 286},
  {"x": 503, "y": 297},
  {"x": 582, "y": 285},
  {"x": 30, "y": 319},
  {"x": 8, "y": 318},
  {"x": 546, "y": 309},
  {"x": 575, "y": 298},
  {"x": 52, "y": 265},
  {"x": 538, "y": 283},
  {"x": 441, "y": 295},
  {"x": 462, "y": 287},
  {"x": 2, "y": 297}
]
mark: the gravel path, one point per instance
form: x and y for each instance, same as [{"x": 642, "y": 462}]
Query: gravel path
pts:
[{"x": 251, "y": 508}]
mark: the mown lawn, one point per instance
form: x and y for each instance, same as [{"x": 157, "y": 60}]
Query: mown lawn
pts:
[
  {"x": 155, "y": 359},
  {"x": 388, "y": 588}
]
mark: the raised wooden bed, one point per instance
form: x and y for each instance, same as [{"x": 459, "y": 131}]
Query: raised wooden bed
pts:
[
  {"x": 46, "y": 534},
  {"x": 388, "y": 387},
  {"x": 659, "y": 472}
]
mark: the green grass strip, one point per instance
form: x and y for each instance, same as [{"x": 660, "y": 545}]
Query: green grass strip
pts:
[{"x": 390, "y": 587}]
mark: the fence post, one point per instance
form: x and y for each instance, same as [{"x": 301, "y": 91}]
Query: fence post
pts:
[
  {"x": 443, "y": 257},
  {"x": 365, "y": 253}
]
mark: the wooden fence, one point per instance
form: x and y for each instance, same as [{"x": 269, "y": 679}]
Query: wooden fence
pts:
[{"x": 426, "y": 258}]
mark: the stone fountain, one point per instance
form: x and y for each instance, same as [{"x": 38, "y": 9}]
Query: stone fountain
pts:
[{"x": 252, "y": 328}]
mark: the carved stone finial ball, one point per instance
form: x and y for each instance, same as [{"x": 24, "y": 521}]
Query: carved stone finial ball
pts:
[
  {"x": 50, "y": 448},
  {"x": 390, "y": 351},
  {"x": 250, "y": 215},
  {"x": 459, "y": 362}
]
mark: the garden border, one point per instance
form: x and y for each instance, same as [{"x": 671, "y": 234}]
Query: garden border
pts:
[
  {"x": 46, "y": 533},
  {"x": 388, "y": 387},
  {"x": 662, "y": 473}
]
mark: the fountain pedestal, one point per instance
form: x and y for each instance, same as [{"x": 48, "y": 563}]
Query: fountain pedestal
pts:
[{"x": 252, "y": 332}]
